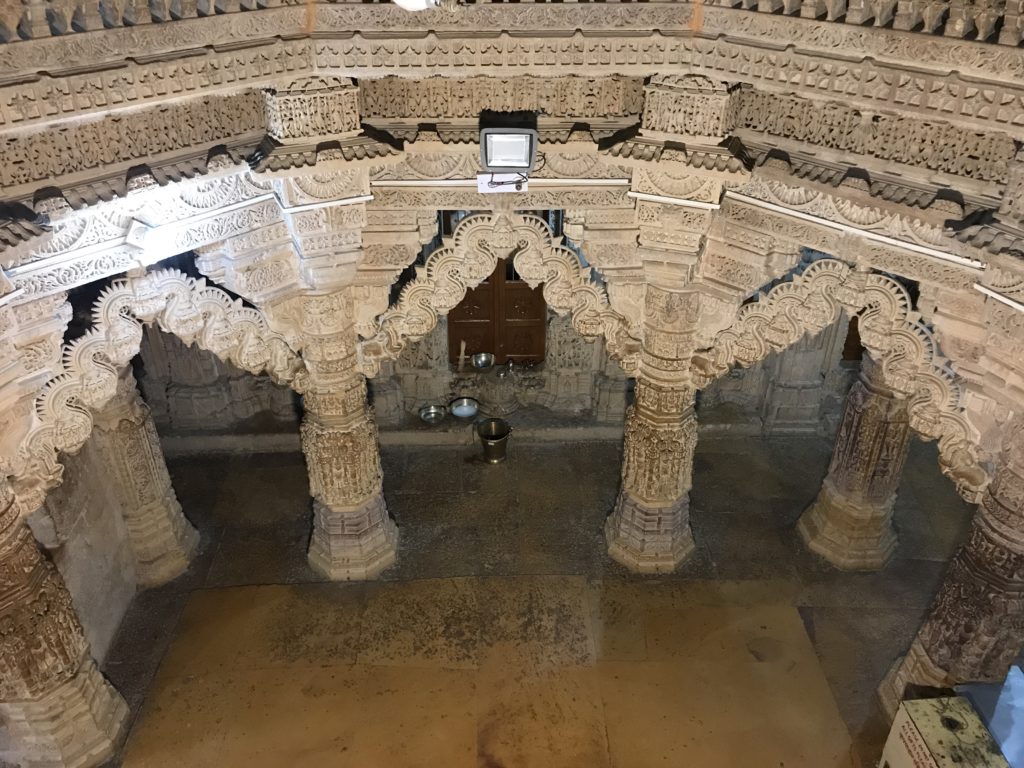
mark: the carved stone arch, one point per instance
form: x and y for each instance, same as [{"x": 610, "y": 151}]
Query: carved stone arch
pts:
[
  {"x": 187, "y": 307},
  {"x": 469, "y": 256},
  {"x": 889, "y": 328}
]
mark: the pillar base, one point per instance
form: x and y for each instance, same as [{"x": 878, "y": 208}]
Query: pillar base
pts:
[
  {"x": 353, "y": 543},
  {"x": 163, "y": 541},
  {"x": 649, "y": 539},
  {"x": 79, "y": 724},
  {"x": 851, "y": 536},
  {"x": 913, "y": 669}
]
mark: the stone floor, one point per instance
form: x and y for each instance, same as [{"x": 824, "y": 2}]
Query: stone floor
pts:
[{"x": 505, "y": 636}]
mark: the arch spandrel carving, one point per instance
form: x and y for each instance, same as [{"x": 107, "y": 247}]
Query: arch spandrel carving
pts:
[
  {"x": 890, "y": 329},
  {"x": 468, "y": 257},
  {"x": 186, "y": 307}
]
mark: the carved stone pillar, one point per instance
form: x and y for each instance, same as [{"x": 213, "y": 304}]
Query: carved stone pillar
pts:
[
  {"x": 353, "y": 536},
  {"x": 850, "y": 523},
  {"x": 162, "y": 540},
  {"x": 57, "y": 707},
  {"x": 976, "y": 625},
  {"x": 649, "y": 529}
]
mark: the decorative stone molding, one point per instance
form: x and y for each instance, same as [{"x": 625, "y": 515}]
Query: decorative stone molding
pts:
[
  {"x": 162, "y": 541},
  {"x": 850, "y": 523},
  {"x": 537, "y": 198},
  {"x": 890, "y": 329},
  {"x": 58, "y": 708},
  {"x": 62, "y": 419},
  {"x": 468, "y": 258},
  {"x": 973, "y": 630}
]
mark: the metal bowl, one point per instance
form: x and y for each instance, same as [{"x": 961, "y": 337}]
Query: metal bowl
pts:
[
  {"x": 432, "y": 414},
  {"x": 464, "y": 407},
  {"x": 482, "y": 360}
]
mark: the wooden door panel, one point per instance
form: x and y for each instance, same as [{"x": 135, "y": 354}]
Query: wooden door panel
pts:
[{"x": 503, "y": 315}]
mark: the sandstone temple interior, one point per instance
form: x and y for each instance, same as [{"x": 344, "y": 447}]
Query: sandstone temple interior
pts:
[{"x": 756, "y": 313}]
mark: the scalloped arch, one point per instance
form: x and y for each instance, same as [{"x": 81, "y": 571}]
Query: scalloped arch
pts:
[
  {"x": 469, "y": 257},
  {"x": 889, "y": 328},
  {"x": 178, "y": 304}
]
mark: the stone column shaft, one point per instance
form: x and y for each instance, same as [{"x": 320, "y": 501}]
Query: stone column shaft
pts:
[
  {"x": 649, "y": 529},
  {"x": 162, "y": 540},
  {"x": 975, "y": 628},
  {"x": 850, "y": 523},
  {"x": 353, "y": 536},
  {"x": 58, "y": 708}
]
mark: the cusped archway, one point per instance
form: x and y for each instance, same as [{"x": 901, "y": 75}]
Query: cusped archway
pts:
[{"x": 469, "y": 256}]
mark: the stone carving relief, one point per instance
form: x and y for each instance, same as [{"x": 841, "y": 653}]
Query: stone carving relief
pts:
[
  {"x": 447, "y": 98},
  {"x": 690, "y": 105},
  {"x": 311, "y": 109},
  {"x": 469, "y": 257},
  {"x": 180, "y": 305},
  {"x": 44, "y": 157},
  {"x": 890, "y": 329},
  {"x": 938, "y": 146}
]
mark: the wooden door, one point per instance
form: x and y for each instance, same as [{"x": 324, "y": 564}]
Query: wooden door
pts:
[{"x": 502, "y": 315}]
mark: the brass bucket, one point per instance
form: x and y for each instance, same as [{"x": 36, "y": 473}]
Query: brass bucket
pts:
[{"x": 494, "y": 434}]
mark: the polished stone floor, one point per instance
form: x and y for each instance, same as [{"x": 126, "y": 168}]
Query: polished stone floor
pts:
[{"x": 504, "y": 637}]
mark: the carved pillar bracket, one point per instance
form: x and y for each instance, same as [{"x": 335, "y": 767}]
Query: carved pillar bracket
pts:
[
  {"x": 649, "y": 529},
  {"x": 163, "y": 542},
  {"x": 850, "y": 523},
  {"x": 55, "y": 703},
  {"x": 353, "y": 536},
  {"x": 976, "y": 624}
]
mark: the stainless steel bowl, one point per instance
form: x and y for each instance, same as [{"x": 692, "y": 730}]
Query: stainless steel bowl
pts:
[
  {"x": 482, "y": 360},
  {"x": 432, "y": 414},
  {"x": 464, "y": 407}
]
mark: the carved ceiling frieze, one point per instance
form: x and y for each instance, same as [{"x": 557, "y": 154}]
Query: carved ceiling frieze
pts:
[{"x": 879, "y": 43}]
